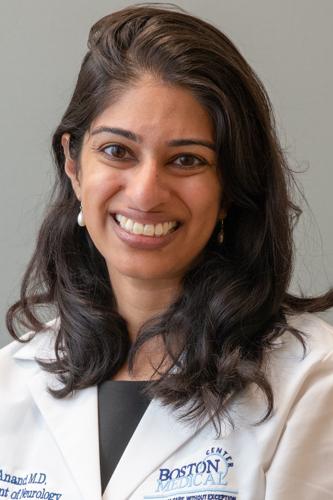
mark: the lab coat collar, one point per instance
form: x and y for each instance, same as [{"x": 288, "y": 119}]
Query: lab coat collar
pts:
[
  {"x": 73, "y": 421},
  {"x": 74, "y": 424},
  {"x": 38, "y": 345}
]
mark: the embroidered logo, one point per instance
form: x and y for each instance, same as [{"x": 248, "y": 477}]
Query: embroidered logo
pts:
[{"x": 203, "y": 479}]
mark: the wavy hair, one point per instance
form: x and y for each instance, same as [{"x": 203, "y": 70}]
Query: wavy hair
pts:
[{"x": 235, "y": 299}]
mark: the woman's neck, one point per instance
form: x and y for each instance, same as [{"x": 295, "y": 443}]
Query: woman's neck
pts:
[{"x": 138, "y": 301}]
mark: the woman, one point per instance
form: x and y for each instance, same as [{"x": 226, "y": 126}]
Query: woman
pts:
[{"x": 179, "y": 366}]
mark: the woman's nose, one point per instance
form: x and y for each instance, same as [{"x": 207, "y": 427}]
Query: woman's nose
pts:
[{"x": 148, "y": 186}]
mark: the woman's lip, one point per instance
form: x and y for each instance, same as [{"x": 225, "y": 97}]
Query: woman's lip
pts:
[
  {"x": 140, "y": 241},
  {"x": 145, "y": 218}
]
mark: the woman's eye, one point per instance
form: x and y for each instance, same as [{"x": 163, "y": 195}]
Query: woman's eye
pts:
[
  {"x": 119, "y": 152},
  {"x": 189, "y": 161},
  {"x": 115, "y": 151}
]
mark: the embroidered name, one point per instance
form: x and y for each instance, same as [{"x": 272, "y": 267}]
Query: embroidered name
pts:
[{"x": 32, "y": 486}]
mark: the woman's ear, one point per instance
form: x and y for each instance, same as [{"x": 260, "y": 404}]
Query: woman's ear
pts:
[
  {"x": 223, "y": 211},
  {"x": 224, "y": 208},
  {"x": 70, "y": 165}
]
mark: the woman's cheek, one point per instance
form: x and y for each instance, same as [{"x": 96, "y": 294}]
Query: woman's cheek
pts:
[{"x": 100, "y": 186}]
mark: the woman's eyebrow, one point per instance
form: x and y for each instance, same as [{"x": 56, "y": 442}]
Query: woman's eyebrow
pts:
[
  {"x": 137, "y": 138},
  {"x": 192, "y": 142},
  {"x": 117, "y": 131}
]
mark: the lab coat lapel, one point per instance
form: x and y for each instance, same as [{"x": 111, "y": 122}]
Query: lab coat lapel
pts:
[
  {"x": 73, "y": 422},
  {"x": 158, "y": 435}
]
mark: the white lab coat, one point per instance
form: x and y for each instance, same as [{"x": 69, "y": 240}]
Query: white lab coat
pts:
[{"x": 49, "y": 448}]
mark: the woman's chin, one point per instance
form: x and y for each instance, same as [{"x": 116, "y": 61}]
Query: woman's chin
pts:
[{"x": 145, "y": 271}]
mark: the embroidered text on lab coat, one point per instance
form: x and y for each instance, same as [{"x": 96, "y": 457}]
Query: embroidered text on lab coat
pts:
[
  {"x": 201, "y": 479},
  {"x": 27, "y": 485}
]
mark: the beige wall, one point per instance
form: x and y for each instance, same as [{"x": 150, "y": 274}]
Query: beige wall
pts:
[{"x": 289, "y": 43}]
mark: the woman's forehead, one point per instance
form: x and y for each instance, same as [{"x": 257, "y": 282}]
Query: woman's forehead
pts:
[{"x": 154, "y": 107}]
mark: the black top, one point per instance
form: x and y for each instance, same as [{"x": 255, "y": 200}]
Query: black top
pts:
[{"x": 121, "y": 405}]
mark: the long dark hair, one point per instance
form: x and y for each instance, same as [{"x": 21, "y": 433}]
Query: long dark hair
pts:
[{"x": 234, "y": 301}]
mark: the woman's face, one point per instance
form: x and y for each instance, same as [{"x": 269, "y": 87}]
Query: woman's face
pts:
[{"x": 148, "y": 181}]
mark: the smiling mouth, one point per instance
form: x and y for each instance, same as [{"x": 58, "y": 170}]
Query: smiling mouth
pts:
[{"x": 152, "y": 230}]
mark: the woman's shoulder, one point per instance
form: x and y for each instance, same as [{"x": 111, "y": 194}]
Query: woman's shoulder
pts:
[
  {"x": 298, "y": 356},
  {"x": 298, "y": 369},
  {"x": 316, "y": 333},
  {"x": 299, "y": 365}
]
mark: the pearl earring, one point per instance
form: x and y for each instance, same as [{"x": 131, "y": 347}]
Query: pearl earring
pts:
[
  {"x": 80, "y": 218},
  {"x": 220, "y": 235}
]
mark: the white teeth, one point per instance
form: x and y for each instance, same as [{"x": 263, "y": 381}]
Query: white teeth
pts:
[
  {"x": 158, "y": 229},
  {"x": 149, "y": 230},
  {"x": 137, "y": 228},
  {"x": 130, "y": 226}
]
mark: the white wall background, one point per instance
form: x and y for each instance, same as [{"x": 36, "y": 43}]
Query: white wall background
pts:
[{"x": 42, "y": 42}]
